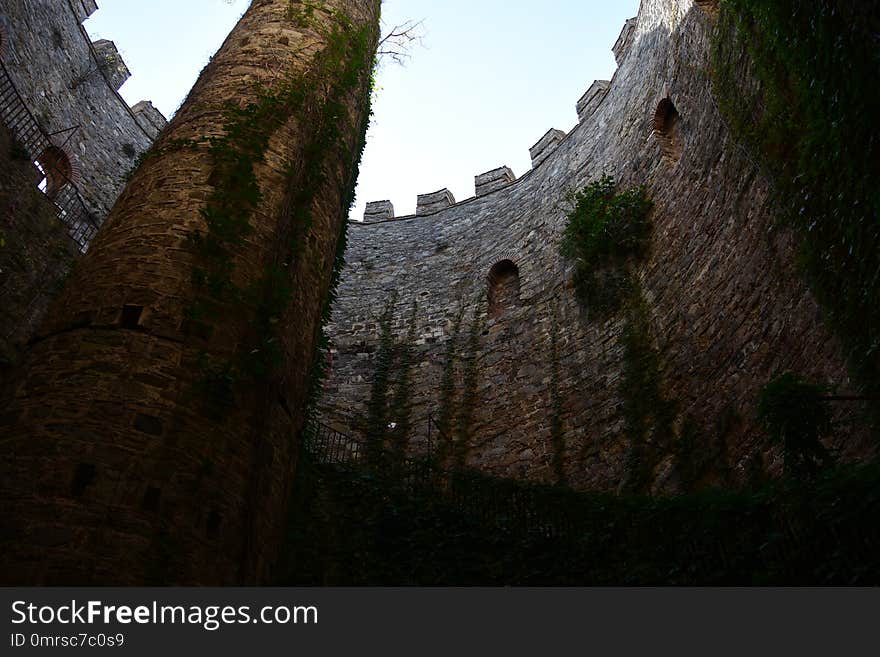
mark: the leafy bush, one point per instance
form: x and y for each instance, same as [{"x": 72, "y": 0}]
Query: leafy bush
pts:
[
  {"x": 794, "y": 414},
  {"x": 605, "y": 229}
]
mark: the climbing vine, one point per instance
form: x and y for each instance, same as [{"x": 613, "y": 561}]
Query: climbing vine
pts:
[
  {"x": 377, "y": 425},
  {"x": 465, "y": 415},
  {"x": 649, "y": 414},
  {"x": 446, "y": 414},
  {"x": 236, "y": 194},
  {"x": 557, "y": 437},
  {"x": 795, "y": 416},
  {"x": 605, "y": 231},
  {"x": 400, "y": 410}
]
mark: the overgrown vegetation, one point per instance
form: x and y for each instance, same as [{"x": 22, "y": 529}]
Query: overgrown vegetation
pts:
[
  {"x": 446, "y": 412},
  {"x": 378, "y": 422},
  {"x": 348, "y": 528},
  {"x": 469, "y": 392},
  {"x": 811, "y": 122},
  {"x": 648, "y": 412},
  {"x": 236, "y": 194},
  {"x": 605, "y": 231},
  {"x": 795, "y": 416},
  {"x": 557, "y": 434}
]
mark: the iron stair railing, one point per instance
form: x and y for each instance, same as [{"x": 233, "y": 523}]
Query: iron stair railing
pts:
[{"x": 69, "y": 205}]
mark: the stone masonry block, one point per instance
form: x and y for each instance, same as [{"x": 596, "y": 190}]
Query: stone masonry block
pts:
[
  {"x": 434, "y": 202},
  {"x": 591, "y": 100},
  {"x": 547, "y": 144},
  {"x": 493, "y": 180},
  {"x": 624, "y": 41},
  {"x": 378, "y": 211}
]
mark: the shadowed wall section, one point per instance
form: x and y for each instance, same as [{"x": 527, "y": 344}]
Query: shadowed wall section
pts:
[{"x": 149, "y": 434}]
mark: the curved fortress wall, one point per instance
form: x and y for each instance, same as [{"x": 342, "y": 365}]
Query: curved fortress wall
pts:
[{"x": 536, "y": 384}]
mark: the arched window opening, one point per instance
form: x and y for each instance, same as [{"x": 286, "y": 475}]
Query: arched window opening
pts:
[
  {"x": 503, "y": 287},
  {"x": 666, "y": 125},
  {"x": 55, "y": 166}
]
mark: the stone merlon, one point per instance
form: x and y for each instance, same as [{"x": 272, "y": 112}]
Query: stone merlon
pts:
[
  {"x": 547, "y": 144},
  {"x": 111, "y": 63},
  {"x": 431, "y": 203},
  {"x": 624, "y": 41},
  {"x": 378, "y": 211},
  {"x": 488, "y": 182},
  {"x": 83, "y": 8},
  {"x": 591, "y": 100},
  {"x": 149, "y": 118}
]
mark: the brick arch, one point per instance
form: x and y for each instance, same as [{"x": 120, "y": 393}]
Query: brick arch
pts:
[
  {"x": 666, "y": 128},
  {"x": 503, "y": 283},
  {"x": 58, "y": 166}
]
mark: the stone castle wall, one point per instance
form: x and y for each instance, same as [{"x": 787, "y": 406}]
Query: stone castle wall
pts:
[
  {"x": 537, "y": 382},
  {"x": 70, "y": 84},
  {"x": 147, "y": 441}
]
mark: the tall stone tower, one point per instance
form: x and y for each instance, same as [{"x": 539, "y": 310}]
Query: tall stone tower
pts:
[{"x": 150, "y": 433}]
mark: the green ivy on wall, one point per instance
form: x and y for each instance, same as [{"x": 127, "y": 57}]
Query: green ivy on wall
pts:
[
  {"x": 605, "y": 231},
  {"x": 812, "y": 123},
  {"x": 795, "y": 416},
  {"x": 236, "y": 195}
]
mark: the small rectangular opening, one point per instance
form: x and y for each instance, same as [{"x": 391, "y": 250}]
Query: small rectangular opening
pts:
[
  {"x": 151, "y": 499},
  {"x": 214, "y": 521},
  {"x": 131, "y": 316},
  {"x": 82, "y": 479}
]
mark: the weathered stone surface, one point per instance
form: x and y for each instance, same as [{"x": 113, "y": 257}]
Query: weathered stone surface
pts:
[
  {"x": 111, "y": 64},
  {"x": 149, "y": 118},
  {"x": 114, "y": 433},
  {"x": 35, "y": 252},
  {"x": 727, "y": 306},
  {"x": 589, "y": 102},
  {"x": 69, "y": 83},
  {"x": 545, "y": 146},
  {"x": 493, "y": 180},
  {"x": 434, "y": 202},
  {"x": 84, "y": 8},
  {"x": 378, "y": 211},
  {"x": 624, "y": 41}
]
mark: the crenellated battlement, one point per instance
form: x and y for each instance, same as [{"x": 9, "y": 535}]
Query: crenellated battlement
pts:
[
  {"x": 434, "y": 202},
  {"x": 491, "y": 181},
  {"x": 111, "y": 63},
  {"x": 502, "y": 177}
]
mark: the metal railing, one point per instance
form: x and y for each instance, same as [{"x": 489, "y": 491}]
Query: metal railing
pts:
[
  {"x": 26, "y": 130},
  {"x": 331, "y": 447},
  {"x": 502, "y": 503}
]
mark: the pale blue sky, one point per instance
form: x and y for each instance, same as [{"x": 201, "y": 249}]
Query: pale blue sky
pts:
[{"x": 492, "y": 78}]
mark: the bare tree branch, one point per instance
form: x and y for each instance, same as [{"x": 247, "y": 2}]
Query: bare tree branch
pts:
[{"x": 397, "y": 43}]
